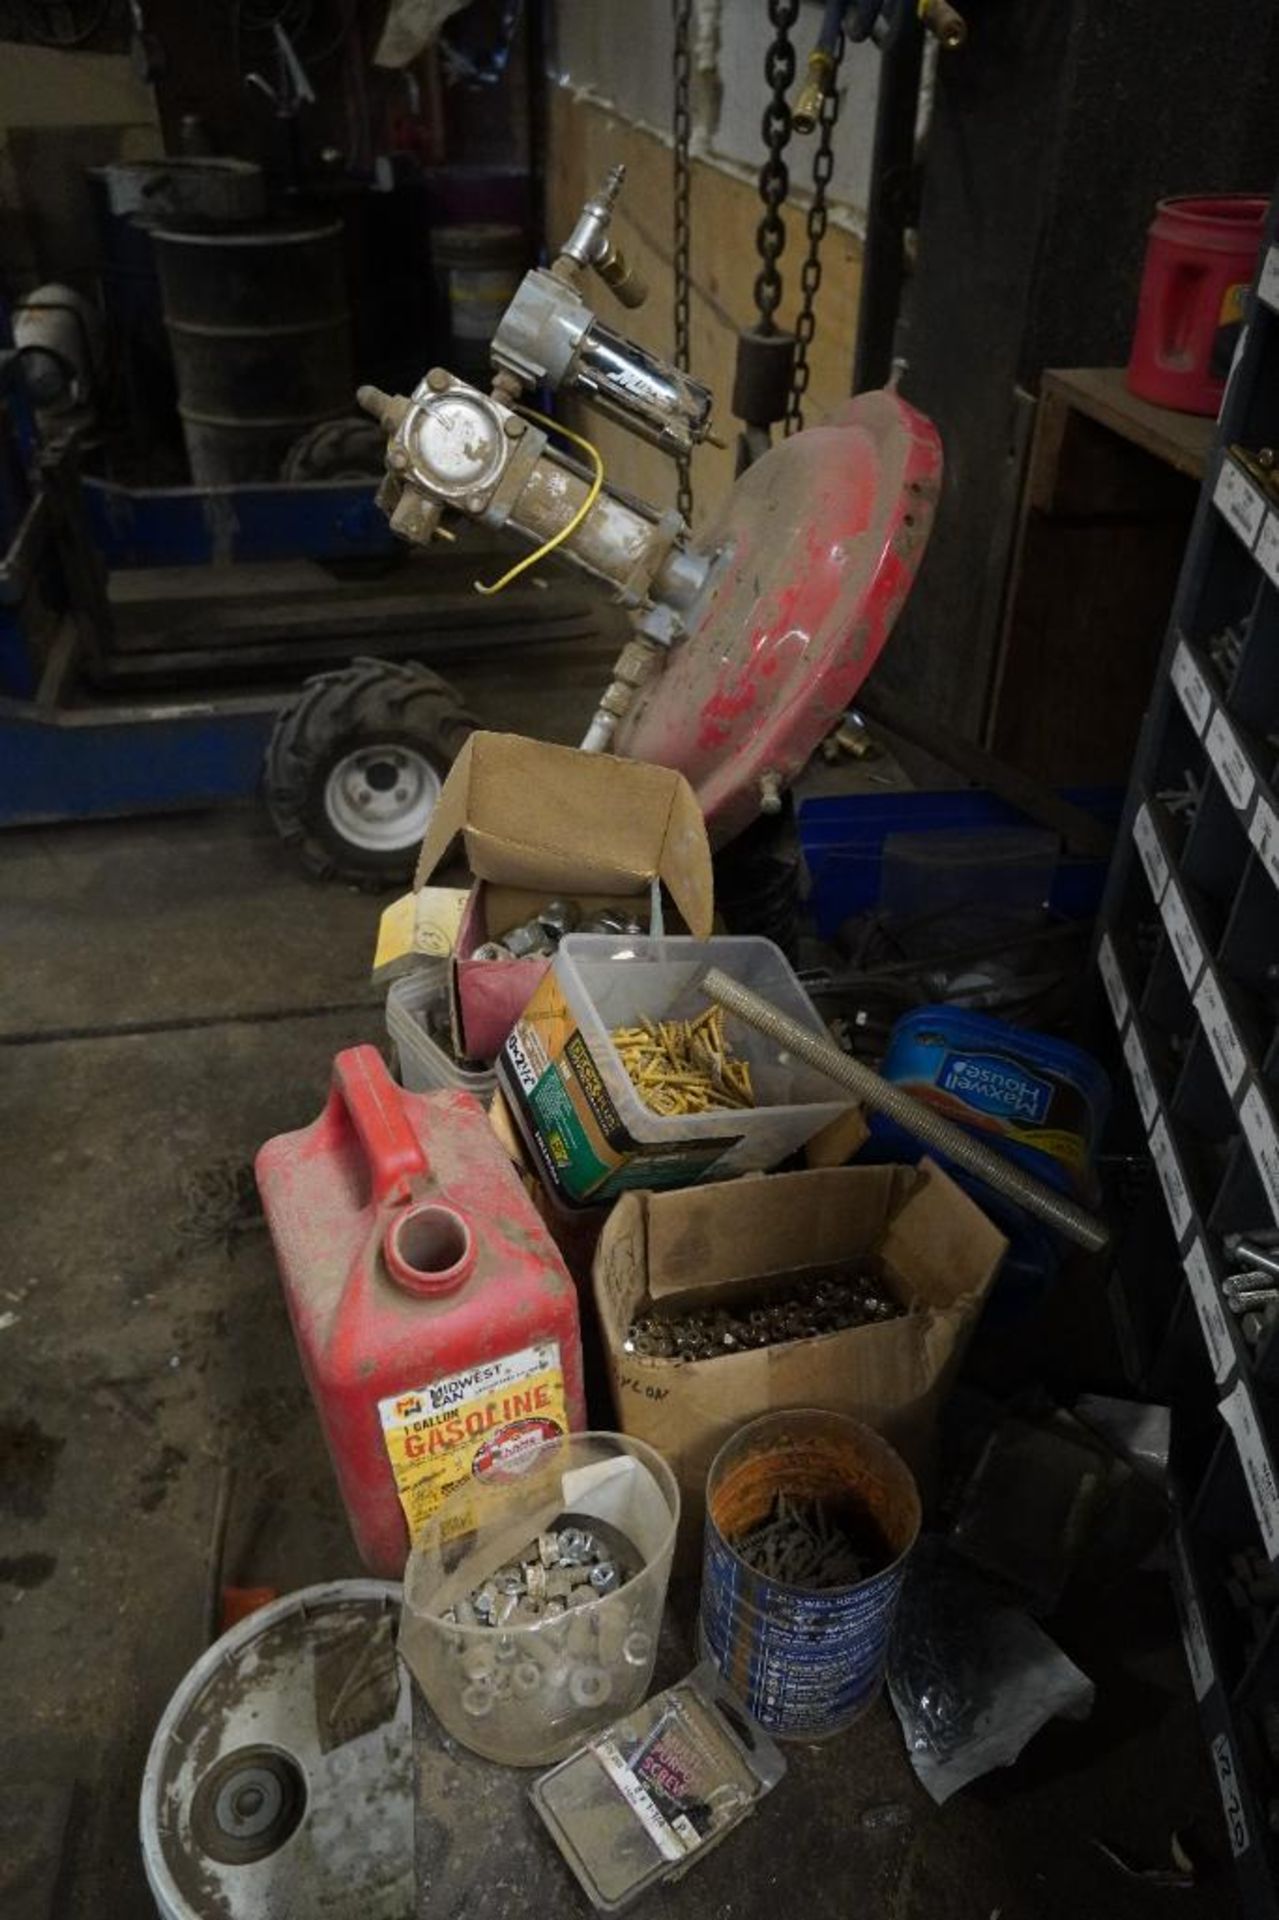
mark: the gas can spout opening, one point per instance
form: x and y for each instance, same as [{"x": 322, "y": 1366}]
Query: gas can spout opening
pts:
[{"x": 429, "y": 1249}]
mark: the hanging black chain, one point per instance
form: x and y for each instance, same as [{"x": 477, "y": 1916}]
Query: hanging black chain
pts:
[
  {"x": 681, "y": 12},
  {"x": 810, "y": 278},
  {"x": 774, "y": 180}
]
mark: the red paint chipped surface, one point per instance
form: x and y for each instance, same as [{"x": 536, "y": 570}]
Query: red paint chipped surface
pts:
[{"x": 820, "y": 560}]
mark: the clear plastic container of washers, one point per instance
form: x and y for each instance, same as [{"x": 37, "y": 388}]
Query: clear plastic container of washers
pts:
[{"x": 533, "y": 1597}]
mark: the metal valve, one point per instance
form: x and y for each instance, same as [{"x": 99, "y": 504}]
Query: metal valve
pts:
[
  {"x": 590, "y": 246},
  {"x": 549, "y": 335}
]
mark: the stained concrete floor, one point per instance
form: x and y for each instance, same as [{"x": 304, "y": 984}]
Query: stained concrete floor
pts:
[{"x": 172, "y": 994}]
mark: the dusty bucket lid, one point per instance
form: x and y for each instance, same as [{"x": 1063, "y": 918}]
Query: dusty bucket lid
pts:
[{"x": 280, "y": 1778}]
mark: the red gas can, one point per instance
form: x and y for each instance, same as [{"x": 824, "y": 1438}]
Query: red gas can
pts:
[
  {"x": 436, "y": 1321},
  {"x": 1200, "y": 259}
]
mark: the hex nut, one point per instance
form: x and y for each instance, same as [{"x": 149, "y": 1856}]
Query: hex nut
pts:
[
  {"x": 477, "y": 1701},
  {"x": 589, "y": 1687},
  {"x": 478, "y": 1664},
  {"x": 524, "y": 942},
  {"x": 580, "y": 1638},
  {"x": 610, "y": 1634}
]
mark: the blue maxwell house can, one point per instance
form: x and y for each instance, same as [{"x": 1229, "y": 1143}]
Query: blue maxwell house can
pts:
[
  {"x": 806, "y": 1662},
  {"x": 1038, "y": 1101}
]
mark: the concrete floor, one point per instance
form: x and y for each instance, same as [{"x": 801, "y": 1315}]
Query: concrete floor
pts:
[{"x": 172, "y": 995}]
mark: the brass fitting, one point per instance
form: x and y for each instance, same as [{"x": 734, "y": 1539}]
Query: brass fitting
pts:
[
  {"x": 946, "y": 24},
  {"x": 617, "y": 273},
  {"x": 807, "y": 110}
]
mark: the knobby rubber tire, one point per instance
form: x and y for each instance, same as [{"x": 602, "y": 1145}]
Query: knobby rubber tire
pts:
[{"x": 370, "y": 703}]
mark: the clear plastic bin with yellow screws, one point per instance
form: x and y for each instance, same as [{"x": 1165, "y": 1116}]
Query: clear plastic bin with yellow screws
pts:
[{"x": 684, "y": 1066}]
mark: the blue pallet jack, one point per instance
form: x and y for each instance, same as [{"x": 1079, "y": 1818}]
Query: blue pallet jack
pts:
[{"x": 151, "y": 640}]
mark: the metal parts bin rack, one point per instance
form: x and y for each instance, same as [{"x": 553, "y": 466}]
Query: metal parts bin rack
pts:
[{"x": 1189, "y": 957}]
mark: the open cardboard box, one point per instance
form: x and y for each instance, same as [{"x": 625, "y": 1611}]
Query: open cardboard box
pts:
[
  {"x": 537, "y": 822},
  {"x": 699, "y": 1245}
]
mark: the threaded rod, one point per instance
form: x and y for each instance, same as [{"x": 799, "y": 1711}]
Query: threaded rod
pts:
[{"x": 1084, "y": 1228}]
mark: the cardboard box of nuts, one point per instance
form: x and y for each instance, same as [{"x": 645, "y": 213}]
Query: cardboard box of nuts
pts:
[
  {"x": 536, "y": 824},
  {"x": 736, "y": 1244}
]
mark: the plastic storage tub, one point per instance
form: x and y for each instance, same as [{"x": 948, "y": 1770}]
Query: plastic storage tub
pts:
[
  {"x": 844, "y": 838},
  {"x": 424, "y": 1065},
  {"x": 1200, "y": 259},
  {"x": 526, "y": 1692},
  {"x": 590, "y": 1135}
]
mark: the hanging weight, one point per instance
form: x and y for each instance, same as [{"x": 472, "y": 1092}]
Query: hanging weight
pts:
[{"x": 762, "y": 381}]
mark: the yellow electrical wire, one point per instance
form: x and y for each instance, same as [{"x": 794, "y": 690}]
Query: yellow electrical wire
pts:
[{"x": 557, "y": 539}]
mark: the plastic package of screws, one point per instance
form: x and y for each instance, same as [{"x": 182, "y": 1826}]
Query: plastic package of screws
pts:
[
  {"x": 533, "y": 1596},
  {"x": 971, "y": 1678},
  {"x": 647, "y": 1798}
]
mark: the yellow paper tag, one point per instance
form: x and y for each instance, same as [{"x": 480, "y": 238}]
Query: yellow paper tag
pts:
[
  {"x": 395, "y": 932},
  {"x": 471, "y": 1425},
  {"x": 418, "y": 926}
]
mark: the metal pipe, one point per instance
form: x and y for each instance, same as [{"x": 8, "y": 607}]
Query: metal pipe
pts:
[
  {"x": 889, "y": 200},
  {"x": 932, "y": 1128},
  {"x": 614, "y": 538}
]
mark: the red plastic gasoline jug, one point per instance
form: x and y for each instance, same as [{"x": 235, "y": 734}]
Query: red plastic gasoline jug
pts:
[
  {"x": 436, "y": 1322},
  {"x": 1200, "y": 259}
]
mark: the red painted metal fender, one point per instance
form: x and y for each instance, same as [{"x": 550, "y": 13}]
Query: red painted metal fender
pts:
[{"x": 815, "y": 550}]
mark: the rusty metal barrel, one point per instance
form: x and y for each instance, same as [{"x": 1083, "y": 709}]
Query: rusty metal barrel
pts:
[
  {"x": 261, "y": 337},
  {"x": 477, "y": 271},
  {"x": 807, "y": 1661}
]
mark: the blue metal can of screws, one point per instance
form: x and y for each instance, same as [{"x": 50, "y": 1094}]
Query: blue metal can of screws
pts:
[{"x": 809, "y": 1520}]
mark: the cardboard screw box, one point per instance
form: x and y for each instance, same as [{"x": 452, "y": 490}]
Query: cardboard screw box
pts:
[{"x": 702, "y": 1244}]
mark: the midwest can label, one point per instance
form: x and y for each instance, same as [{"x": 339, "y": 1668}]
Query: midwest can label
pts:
[
  {"x": 584, "y": 1146},
  {"x": 478, "y": 1424}
]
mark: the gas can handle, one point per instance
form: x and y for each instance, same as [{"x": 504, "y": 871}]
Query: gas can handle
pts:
[{"x": 362, "y": 1085}]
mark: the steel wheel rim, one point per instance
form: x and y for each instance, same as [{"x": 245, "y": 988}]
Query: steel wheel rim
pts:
[{"x": 380, "y": 798}]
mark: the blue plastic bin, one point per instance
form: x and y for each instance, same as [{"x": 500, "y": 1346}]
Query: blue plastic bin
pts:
[{"x": 843, "y": 840}]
